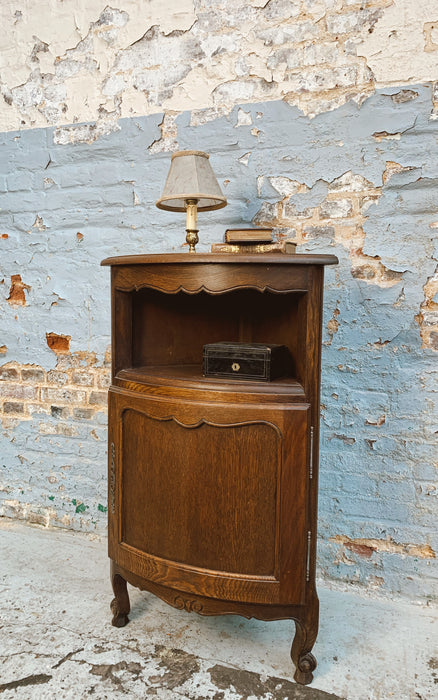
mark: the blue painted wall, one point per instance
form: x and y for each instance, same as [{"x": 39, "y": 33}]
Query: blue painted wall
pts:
[{"x": 365, "y": 183}]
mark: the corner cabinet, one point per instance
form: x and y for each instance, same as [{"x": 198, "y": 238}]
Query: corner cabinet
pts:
[{"x": 213, "y": 482}]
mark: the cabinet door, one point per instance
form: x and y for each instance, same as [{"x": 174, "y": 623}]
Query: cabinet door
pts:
[{"x": 210, "y": 499}]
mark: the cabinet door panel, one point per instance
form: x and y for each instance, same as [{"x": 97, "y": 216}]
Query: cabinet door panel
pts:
[
  {"x": 204, "y": 496},
  {"x": 201, "y": 502}
]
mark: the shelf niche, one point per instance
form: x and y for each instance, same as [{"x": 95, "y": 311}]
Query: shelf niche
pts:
[{"x": 170, "y": 330}]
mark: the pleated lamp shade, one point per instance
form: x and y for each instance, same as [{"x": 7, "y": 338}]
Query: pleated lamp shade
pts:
[{"x": 191, "y": 177}]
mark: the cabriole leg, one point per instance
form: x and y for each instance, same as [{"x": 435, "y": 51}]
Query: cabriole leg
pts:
[
  {"x": 120, "y": 606},
  {"x": 304, "y": 661},
  {"x": 306, "y": 630}
]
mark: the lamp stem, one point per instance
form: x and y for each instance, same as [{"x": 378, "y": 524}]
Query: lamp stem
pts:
[{"x": 192, "y": 232}]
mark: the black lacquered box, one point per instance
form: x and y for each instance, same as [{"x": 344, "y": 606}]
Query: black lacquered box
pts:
[{"x": 251, "y": 361}]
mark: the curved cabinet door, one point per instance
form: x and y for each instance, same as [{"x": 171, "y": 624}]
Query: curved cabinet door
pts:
[{"x": 208, "y": 498}]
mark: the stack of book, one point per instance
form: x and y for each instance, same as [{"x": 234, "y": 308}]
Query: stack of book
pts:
[{"x": 252, "y": 240}]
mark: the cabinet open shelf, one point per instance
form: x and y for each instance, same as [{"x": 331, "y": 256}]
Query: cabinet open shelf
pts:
[
  {"x": 164, "y": 334},
  {"x": 190, "y": 376}
]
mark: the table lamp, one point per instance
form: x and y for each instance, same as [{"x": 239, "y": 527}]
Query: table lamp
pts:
[{"x": 191, "y": 186}]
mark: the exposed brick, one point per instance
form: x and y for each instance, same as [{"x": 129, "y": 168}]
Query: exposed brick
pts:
[
  {"x": 319, "y": 232},
  {"x": 295, "y": 59},
  {"x": 60, "y": 344},
  {"x": 65, "y": 362},
  {"x": 361, "y": 3},
  {"x": 318, "y": 79},
  {"x": 99, "y": 398},
  {"x": 290, "y": 211},
  {"x": 362, "y": 550},
  {"x": 57, "y": 429},
  {"x": 364, "y": 272},
  {"x": 336, "y": 209},
  {"x": 433, "y": 340},
  {"x": 8, "y": 373},
  {"x": 268, "y": 212},
  {"x": 103, "y": 380},
  {"x": 107, "y": 358},
  {"x": 36, "y": 408},
  {"x": 85, "y": 358},
  {"x": 404, "y": 96},
  {"x": 82, "y": 378},
  {"x": 348, "y": 182},
  {"x": 17, "y": 290},
  {"x": 62, "y": 396},
  {"x": 11, "y": 407},
  {"x": 56, "y": 377},
  {"x": 351, "y": 21},
  {"x": 294, "y": 33},
  {"x": 33, "y": 375},
  {"x": 59, "y": 411},
  {"x": 365, "y": 547},
  {"x": 83, "y": 413},
  {"x": 18, "y": 391},
  {"x": 318, "y": 8}
]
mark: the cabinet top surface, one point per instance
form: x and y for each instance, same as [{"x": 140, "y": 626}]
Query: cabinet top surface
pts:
[{"x": 227, "y": 258}]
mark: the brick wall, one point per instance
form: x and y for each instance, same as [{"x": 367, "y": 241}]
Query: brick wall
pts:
[{"x": 286, "y": 98}]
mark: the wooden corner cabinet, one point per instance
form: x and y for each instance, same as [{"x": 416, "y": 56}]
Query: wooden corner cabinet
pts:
[{"x": 213, "y": 482}]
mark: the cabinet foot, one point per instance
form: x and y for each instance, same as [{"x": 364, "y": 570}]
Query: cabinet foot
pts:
[
  {"x": 120, "y": 606},
  {"x": 305, "y": 662}
]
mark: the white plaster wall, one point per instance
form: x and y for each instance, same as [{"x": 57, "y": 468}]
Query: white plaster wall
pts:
[
  {"x": 80, "y": 60},
  {"x": 403, "y": 48},
  {"x": 55, "y": 57}
]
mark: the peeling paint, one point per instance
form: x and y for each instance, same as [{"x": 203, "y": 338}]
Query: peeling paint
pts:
[
  {"x": 332, "y": 326},
  {"x": 57, "y": 62},
  {"x": 392, "y": 168},
  {"x": 39, "y": 223},
  {"x": 365, "y": 547},
  {"x": 427, "y": 318},
  {"x": 60, "y": 344},
  {"x": 326, "y": 183},
  {"x": 17, "y": 296},
  {"x": 107, "y": 63},
  {"x": 340, "y": 215},
  {"x": 169, "y": 133},
  {"x": 398, "y": 46}
]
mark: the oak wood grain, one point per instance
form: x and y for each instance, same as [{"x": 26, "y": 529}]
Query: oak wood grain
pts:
[
  {"x": 213, "y": 258},
  {"x": 213, "y": 482}
]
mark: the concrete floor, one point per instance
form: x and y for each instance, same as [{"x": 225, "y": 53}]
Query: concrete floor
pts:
[{"x": 56, "y": 640}]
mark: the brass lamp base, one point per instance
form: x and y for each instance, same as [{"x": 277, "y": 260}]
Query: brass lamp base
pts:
[
  {"x": 190, "y": 184},
  {"x": 192, "y": 239},
  {"x": 192, "y": 231}
]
